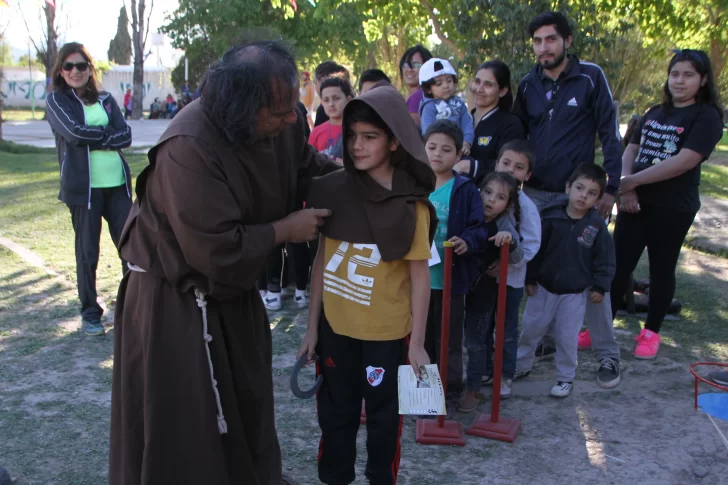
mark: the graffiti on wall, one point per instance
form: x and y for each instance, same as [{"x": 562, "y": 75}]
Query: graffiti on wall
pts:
[
  {"x": 23, "y": 90},
  {"x": 146, "y": 87}
]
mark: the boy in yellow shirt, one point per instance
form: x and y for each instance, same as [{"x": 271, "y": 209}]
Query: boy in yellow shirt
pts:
[{"x": 370, "y": 283}]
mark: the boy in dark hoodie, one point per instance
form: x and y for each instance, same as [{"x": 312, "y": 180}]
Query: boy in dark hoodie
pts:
[
  {"x": 461, "y": 222},
  {"x": 575, "y": 262},
  {"x": 370, "y": 284}
]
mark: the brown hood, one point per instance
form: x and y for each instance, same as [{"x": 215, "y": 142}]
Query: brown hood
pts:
[{"x": 364, "y": 211}]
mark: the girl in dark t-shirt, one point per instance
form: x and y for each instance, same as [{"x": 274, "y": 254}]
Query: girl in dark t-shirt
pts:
[{"x": 659, "y": 188}]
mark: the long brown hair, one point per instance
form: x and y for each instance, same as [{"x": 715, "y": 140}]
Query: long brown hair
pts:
[{"x": 91, "y": 94}]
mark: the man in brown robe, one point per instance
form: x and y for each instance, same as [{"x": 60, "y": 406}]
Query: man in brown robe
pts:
[{"x": 192, "y": 397}]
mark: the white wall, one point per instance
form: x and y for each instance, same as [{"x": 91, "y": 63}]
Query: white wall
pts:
[{"x": 18, "y": 82}]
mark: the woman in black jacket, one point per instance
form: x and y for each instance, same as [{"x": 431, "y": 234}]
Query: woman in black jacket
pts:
[
  {"x": 90, "y": 132},
  {"x": 494, "y": 124}
]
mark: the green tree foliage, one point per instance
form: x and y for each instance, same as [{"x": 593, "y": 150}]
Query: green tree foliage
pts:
[{"x": 120, "y": 46}]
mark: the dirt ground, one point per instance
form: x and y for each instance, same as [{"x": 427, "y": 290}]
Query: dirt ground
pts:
[{"x": 55, "y": 399}]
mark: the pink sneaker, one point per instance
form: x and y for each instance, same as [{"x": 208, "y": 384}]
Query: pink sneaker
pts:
[
  {"x": 648, "y": 343},
  {"x": 584, "y": 340}
]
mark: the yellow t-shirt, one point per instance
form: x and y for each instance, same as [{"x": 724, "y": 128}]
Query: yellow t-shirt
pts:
[{"x": 369, "y": 299}]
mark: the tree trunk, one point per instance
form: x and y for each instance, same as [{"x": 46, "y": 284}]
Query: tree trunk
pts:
[
  {"x": 457, "y": 52},
  {"x": 51, "y": 47},
  {"x": 137, "y": 39}
]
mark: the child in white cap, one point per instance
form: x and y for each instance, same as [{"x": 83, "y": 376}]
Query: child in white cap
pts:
[{"x": 438, "y": 80}]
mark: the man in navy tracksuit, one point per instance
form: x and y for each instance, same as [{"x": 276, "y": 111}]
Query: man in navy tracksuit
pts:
[{"x": 563, "y": 103}]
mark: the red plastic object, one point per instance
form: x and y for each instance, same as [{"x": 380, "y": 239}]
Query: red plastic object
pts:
[
  {"x": 440, "y": 431},
  {"x": 492, "y": 425},
  {"x": 698, "y": 379}
]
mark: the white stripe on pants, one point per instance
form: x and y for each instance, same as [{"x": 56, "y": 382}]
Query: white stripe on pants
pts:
[{"x": 567, "y": 313}]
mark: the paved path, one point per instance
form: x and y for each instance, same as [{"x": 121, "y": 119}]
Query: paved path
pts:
[
  {"x": 710, "y": 229},
  {"x": 38, "y": 133}
]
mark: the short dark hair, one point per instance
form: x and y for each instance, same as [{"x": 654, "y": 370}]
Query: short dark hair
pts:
[
  {"x": 556, "y": 19},
  {"x": 407, "y": 56},
  {"x": 447, "y": 128},
  {"x": 520, "y": 146},
  {"x": 330, "y": 68},
  {"x": 593, "y": 172},
  {"x": 337, "y": 82},
  {"x": 372, "y": 76},
  {"x": 360, "y": 112},
  {"x": 246, "y": 80}
]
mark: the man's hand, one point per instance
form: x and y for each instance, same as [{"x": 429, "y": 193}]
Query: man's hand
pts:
[
  {"x": 629, "y": 202},
  {"x": 417, "y": 357},
  {"x": 300, "y": 226},
  {"x": 531, "y": 289},
  {"x": 501, "y": 238},
  {"x": 308, "y": 346},
  {"x": 492, "y": 270},
  {"x": 466, "y": 148},
  {"x": 605, "y": 205},
  {"x": 463, "y": 166},
  {"x": 596, "y": 297},
  {"x": 458, "y": 245}
]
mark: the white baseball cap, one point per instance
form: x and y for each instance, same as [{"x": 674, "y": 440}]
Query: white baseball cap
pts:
[{"x": 435, "y": 67}]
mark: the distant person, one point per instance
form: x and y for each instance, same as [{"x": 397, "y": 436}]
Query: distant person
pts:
[
  {"x": 409, "y": 69},
  {"x": 659, "y": 194},
  {"x": 128, "y": 103},
  {"x": 90, "y": 132},
  {"x": 308, "y": 96},
  {"x": 335, "y": 93}
]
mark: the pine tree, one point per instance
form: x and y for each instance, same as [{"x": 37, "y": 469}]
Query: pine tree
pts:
[{"x": 120, "y": 46}]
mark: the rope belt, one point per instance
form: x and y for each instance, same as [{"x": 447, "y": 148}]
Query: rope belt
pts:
[{"x": 202, "y": 303}]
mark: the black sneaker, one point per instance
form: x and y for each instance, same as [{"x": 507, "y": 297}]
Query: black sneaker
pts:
[
  {"x": 608, "y": 375},
  {"x": 487, "y": 380},
  {"x": 543, "y": 352},
  {"x": 521, "y": 374}
]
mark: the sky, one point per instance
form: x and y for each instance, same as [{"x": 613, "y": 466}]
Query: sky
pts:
[{"x": 90, "y": 22}]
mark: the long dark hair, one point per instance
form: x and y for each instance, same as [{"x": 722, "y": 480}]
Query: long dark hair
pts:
[
  {"x": 502, "y": 74},
  {"x": 91, "y": 94},
  {"x": 247, "y": 79},
  {"x": 512, "y": 185},
  {"x": 707, "y": 94}
]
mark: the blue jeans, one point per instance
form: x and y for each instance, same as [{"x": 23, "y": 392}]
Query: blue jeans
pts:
[
  {"x": 510, "y": 346},
  {"x": 479, "y": 318}
]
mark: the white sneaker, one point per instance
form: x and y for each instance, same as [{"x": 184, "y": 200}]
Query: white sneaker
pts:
[
  {"x": 301, "y": 301},
  {"x": 506, "y": 388},
  {"x": 562, "y": 389},
  {"x": 272, "y": 301},
  {"x": 263, "y": 293}
]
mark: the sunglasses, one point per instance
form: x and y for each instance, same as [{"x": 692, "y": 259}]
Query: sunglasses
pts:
[
  {"x": 415, "y": 65},
  {"x": 691, "y": 54},
  {"x": 80, "y": 66}
]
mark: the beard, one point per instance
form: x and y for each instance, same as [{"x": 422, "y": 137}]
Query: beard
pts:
[{"x": 550, "y": 64}]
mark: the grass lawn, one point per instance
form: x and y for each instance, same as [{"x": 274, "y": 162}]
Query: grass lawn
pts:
[{"x": 55, "y": 382}]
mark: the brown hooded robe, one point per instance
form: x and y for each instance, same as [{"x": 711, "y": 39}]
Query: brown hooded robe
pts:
[{"x": 202, "y": 220}]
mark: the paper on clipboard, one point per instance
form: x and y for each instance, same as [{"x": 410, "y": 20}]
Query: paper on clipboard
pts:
[
  {"x": 420, "y": 396},
  {"x": 434, "y": 256}
]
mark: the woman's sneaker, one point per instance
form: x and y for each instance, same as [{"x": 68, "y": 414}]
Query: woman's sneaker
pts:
[
  {"x": 648, "y": 343},
  {"x": 272, "y": 301},
  {"x": 584, "y": 342},
  {"x": 92, "y": 327},
  {"x": 562, "y": 389}
]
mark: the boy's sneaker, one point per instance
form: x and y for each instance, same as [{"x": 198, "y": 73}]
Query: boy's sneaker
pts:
[
  {"x": 263, "y": 293},
  {"x": 487, "y": 380},
  {"x": 92, "y": 327},
  {"x": 584, "y": 341},
  {"x": 648, "y": 343},
  {"x": 506, "y": 388},
  {"x": 608, "y": 375},
  {"x": 562, "y": 389},
  {"x": 544, "y": 352},
  {"x": 521, "y": 374},
  {"x": 301, "y": 301},
  {"x": 272, "y": 301}
]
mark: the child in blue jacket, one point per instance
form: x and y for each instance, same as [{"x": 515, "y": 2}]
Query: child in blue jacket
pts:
[{"x": 461, "y": 221}]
